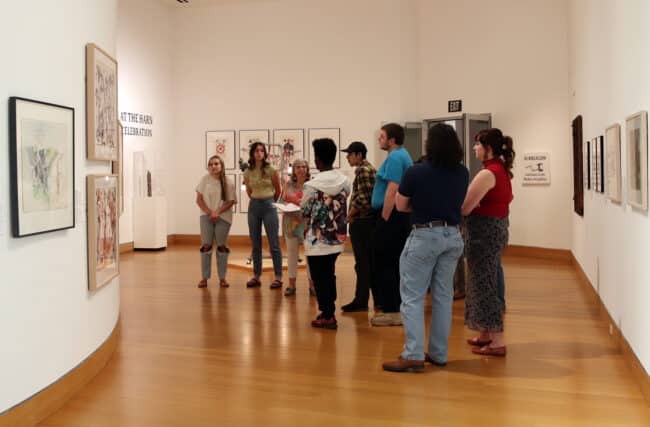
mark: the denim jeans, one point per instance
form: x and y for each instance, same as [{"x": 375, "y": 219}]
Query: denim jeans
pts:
[
  {"x": 262, "y": 211},
  {"x": 212, "y": 232},
  {"x": 429, "y": 259}
]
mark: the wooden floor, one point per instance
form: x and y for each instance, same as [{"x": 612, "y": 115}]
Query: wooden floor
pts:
[{"x": 239, "y": 357}]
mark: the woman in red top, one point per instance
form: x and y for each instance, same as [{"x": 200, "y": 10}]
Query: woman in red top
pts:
[{"x": 487, "y": 203}]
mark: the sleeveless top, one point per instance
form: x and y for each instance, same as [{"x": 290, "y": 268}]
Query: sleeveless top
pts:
[{"x": 496, "y": 202}]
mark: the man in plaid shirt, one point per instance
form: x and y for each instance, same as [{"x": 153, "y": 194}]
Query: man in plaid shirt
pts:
[{"x": 362, "y": 225}]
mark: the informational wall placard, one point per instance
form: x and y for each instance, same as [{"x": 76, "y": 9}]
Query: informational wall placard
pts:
[{"x": 537, "y": 169}]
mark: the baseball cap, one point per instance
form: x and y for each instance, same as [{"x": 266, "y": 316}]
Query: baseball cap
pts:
[{"x": 356, "y": 147}]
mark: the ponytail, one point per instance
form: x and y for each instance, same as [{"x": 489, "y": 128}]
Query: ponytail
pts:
[
  {"x": 508, "y": 154},
  {"x": 500, "y": 144}
]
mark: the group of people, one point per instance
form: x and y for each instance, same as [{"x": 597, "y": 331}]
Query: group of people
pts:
[{"x": 409, "y": 225}]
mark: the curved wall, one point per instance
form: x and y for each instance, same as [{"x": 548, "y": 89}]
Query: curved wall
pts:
[{"x": 49, "y": 321}]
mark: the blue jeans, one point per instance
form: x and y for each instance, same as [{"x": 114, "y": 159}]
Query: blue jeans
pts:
[
  {"x": 428, "y": 260},
  {"x": 262, "y": 211}
]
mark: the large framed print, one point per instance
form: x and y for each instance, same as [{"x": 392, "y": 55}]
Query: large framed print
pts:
[
  {"x": 316, "y": 133},
  {"x": 101, "y": 104},
  {"x": 636, "y": 131},
  {"x": 243, "y": 195},
  {"x": 41, "y": 151},
  {"x": 287, "y": 146},
  {"x": 103, "y": 241},
  {"x": 222, "y": 144},
  {"x": 117, "y": 166},
  {"x": 613, "y": 163}
]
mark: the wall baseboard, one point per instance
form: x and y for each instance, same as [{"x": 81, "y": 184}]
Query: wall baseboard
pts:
[
  {"x": 639, "y": 373},
  {"x": 126, "y": 247},
  {"x": 559, "y": 255},
  {"x": 47, "y": 401}
]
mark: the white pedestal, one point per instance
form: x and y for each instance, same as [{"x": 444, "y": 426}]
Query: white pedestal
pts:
[{"x": 150, "y": 223}]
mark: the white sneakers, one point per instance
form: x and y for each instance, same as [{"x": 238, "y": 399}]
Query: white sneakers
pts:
[{"x": 386, "y": 319}]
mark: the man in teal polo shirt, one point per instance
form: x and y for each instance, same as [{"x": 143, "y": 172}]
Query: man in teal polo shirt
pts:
[{"x": 392, "y": 226}]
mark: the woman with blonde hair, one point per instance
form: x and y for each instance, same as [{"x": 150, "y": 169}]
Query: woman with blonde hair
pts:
[
  {"x": 215, "y": 196},
  {"x": 293, "y": 223}
]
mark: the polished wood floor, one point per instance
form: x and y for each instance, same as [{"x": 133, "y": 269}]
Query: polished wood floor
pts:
[{"x": 239, "y": 357}]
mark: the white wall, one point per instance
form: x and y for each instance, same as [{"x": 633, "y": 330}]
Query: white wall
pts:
[
  {"x": 49, "y": 321},
  {"x": 609, "y": 70},
  {"x": 285, "y": 64},
  {"x": 508, "y": 58},
  {"x": 144, "y": 53}
]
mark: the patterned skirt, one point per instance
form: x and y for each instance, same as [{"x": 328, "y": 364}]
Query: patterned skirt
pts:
[{"x": 485, "y": 238}]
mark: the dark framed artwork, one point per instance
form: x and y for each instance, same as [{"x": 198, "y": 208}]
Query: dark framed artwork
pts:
[
  {"x": 600, "y": 158},
  {"x": 578, "y": 168},
  {"x": 41, "y": 151},
  {"x": 595, "y": 179},
  {"x": 101, "y": 104},
  {"x": 317, "y": 133},
  {"x": 221, "y": 143}
]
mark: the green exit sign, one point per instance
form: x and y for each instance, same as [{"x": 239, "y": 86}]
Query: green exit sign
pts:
[{"x": 455, "y": 105}]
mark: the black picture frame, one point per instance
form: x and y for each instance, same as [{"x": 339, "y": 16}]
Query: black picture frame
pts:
[{"x": 31, "y": 120}]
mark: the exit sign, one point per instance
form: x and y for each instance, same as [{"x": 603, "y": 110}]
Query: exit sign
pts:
[{"x": 455, "y": 105}]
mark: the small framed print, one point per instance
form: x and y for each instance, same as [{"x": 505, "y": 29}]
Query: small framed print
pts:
[
  {"x": 613, "y": 163},
  {"x": 287, "y": 145},
  {"x": 316, "y": 133},
  {"x": 243, "y": 195},
  {"x": 103, "y": 240},
  {"x": 221, "y": 143},
  {"x": 248, "y": 137},
  {"x": 101, "y": 104},
  {"x": 586, "y": 164},
  {"x": 41, "y": 163},
  {"x": 636, "y": 131}
]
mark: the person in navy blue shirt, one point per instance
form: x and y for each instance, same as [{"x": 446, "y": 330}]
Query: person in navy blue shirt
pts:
[
  {"x": 433, "y": 192},
  {"x": 392, "y": 226}
]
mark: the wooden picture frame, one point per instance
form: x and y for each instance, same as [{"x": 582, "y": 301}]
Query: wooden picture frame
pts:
[
  {"x": 223, "y": 144},
  {"x": 613, "y": 174},
  {"x": 578, "y": 169},
  {"x": 117, "y": 166},
  {"x": 636, "y": 131},
  {"x": 103, "y": 229},
  {"x": 317, "y": 133},
  {"x": 101, "y": 104},
  {"x": 41, "y": 165}
]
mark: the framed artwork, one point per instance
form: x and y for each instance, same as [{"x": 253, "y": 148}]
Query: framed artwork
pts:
[
  {"x": 600, "y": 154},
  {"x": 332, "y": 133},
  {"x": 613, "y": 163},
  {"x": 287, "y": 145},
  {"x": 243, "y": 196},
  {"x": 103, "y": 241},
  {"x": 578, "y": 168},
  {"x": 595, "y": 179},
  {"x": 41, "y": 163},
  {"x": 117, "y": 166},
  {"x": 101, "y": 104},
  {"x": 247, "y": 137},
  {"x": 636, "y": 131},
  {"x": 586, "y": 162},
  {"x": 221, "y": 143}
]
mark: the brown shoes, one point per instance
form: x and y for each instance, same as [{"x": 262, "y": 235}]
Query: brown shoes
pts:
[
  {"x": 429, "y": 359},
  {"x": 404, "y": 365},
  {"x": 478, "y": 342},
  {"x": 202, "y": 284},
  {"x": 490, "y": 351}
]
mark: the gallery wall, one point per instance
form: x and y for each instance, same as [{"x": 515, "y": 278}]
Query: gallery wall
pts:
[
  {"x": 508, "y": 58},
  {"x": 609, "y": 70},
  {"x": 286, "y": 64},
  {"x": 145, "y": 56},
  {"x": 49, "y": 321}
]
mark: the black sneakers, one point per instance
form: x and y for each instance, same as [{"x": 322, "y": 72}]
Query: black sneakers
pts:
[{"x": 354, "y": 307}]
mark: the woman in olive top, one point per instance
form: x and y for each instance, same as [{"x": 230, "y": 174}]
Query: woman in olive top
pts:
[{"x": 263, "y": 189}]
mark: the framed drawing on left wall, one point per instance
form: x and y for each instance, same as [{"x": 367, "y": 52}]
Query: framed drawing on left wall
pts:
[
  {"x": 103, "y": 236},
  {"x": 41, "y": 151}
]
